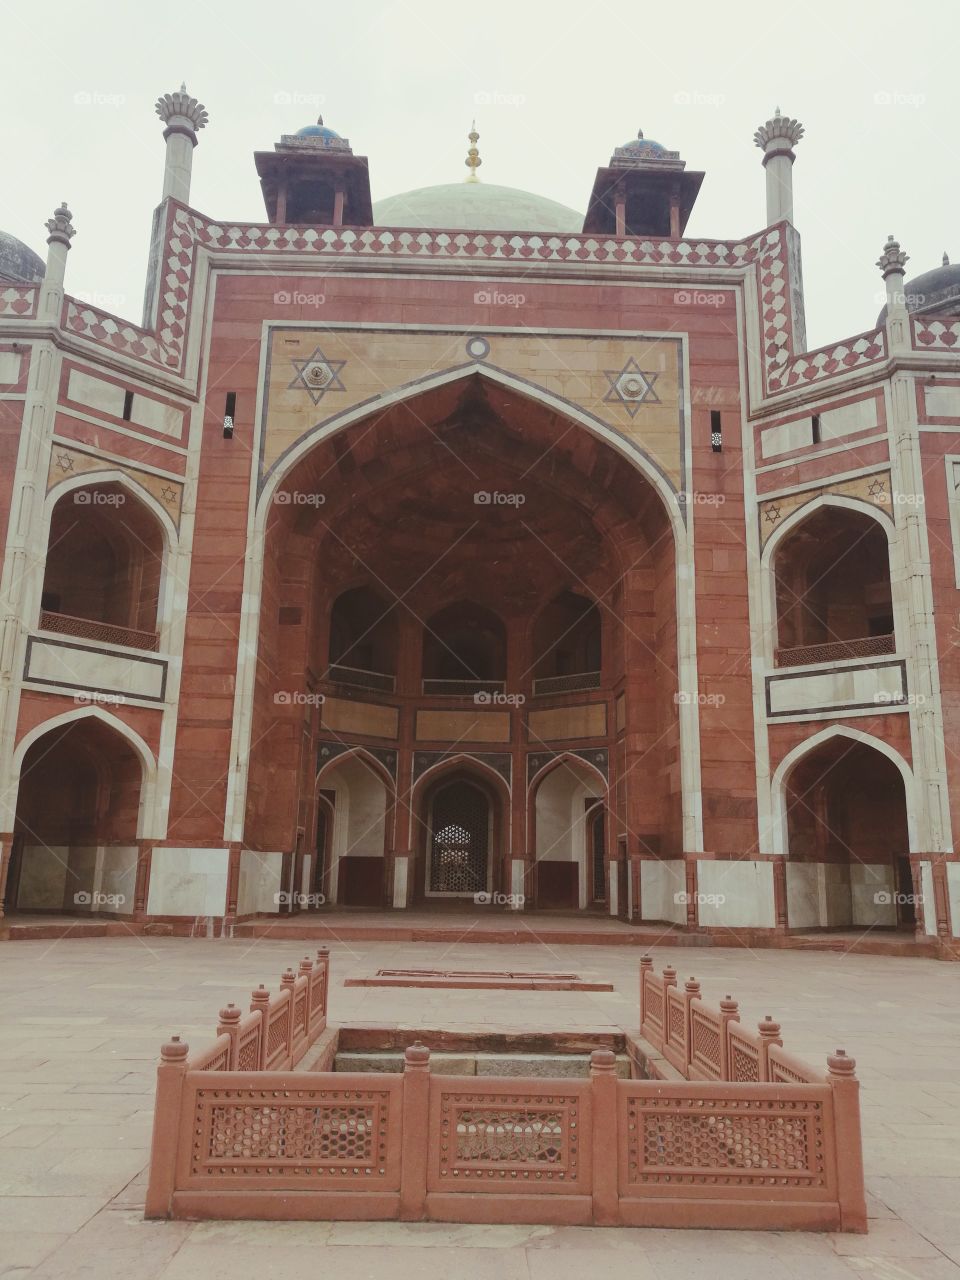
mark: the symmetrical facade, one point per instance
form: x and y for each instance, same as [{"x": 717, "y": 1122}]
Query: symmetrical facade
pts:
[{"x": 459, "y": 549}]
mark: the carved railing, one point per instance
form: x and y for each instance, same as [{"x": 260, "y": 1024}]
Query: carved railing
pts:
[
  {"x": 106, "y": 632},
  {"x": 462, "y": 688},
  {"x": 835, "y": 651},
  {"x": 750, "y": 1138}
]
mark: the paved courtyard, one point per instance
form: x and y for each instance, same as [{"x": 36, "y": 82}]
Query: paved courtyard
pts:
[{"x": 81, "y": 1022}]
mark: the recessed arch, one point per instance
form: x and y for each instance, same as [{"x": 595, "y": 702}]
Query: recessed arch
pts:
[{"x": 779, "y": 838}]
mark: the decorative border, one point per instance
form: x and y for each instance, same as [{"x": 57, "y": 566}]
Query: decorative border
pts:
[
  {"x": 19, "y": 301},
  {"x": 123, "y": 698},
  {"x": 185, "y": 231}
]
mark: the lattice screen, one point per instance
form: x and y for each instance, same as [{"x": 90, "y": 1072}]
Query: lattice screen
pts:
[{"x": 459, "y": 847}]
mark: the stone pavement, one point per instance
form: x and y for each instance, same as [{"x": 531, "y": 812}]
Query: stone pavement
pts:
[{"x": 82, "y": 1021}]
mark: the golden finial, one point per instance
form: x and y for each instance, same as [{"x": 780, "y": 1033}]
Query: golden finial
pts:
[{"x": 473, "y": 161}]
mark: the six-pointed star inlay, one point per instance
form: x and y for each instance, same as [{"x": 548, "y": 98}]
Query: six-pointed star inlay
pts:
[
  {"x": 631, "y": 386},
  {"x": 318, "y": 375}
]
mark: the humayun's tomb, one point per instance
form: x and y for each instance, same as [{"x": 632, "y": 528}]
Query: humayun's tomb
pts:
[{"x": 464, "y": 551}]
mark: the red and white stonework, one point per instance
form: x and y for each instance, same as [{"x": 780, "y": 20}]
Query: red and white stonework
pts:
[{"x": 489, "y": 556}]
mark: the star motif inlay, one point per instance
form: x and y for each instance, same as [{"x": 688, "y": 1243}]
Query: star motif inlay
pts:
[
  {"x": 772, "y": 514},
  {"x": 877, "y": 489},
  {"x": 64, "y": 462},
  {"x": 631, "y": 386},
  {"x": 318, "y": 375},
  {"x": 168, "y": 494}
]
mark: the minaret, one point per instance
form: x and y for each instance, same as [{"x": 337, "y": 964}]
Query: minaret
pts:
[
  {"x": 183, "y": 116},
  {"x": 776, "y": 139},
  {"x": 473, "y": 161},
  {"x": 891, "y": 263},
  {"x": 62, "y": 232}
]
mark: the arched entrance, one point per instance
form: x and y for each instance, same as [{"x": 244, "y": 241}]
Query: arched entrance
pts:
[
  {"x": 481, "y": 579},
  {"x": 75, "y": 847},
  {"x": 353, "y": 809},
  {"x": 570, "y": 836},
  {"x": 848, "y": 839}
]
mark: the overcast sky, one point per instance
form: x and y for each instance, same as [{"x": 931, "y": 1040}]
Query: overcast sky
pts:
[{"x": 554, "y": 86}]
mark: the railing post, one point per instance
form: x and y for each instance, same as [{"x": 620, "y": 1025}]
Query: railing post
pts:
[
  {"x": 288, "y": 982},
  {"x": 260, "y": 1003},
  {"x": 841, "y": 1075},
  {"x": 646, "y": 966},
  {"x": 691, "y": 992},
  {"x": 416, "y": 1133},
  {"x": 306, "y": 971},
  {"x": 769, "y": 1032},
  {"x": 230, "y": 1025},
  {"x": 603, "y": 1108},
  {"x": 166, "y": 1129},
  {"x": 729, "y": 1012},
  {"x": 323, "y": 959}
]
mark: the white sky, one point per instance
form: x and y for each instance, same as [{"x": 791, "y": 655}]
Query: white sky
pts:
[{"x": 554, "y": 87}]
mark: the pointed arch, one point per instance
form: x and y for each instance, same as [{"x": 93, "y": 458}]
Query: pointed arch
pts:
[{"x": 781, "y": 775}]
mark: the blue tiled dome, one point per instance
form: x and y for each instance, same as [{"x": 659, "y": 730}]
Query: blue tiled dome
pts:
[
  {"x": 641, "y": 146},
  {"x": 318, "y": 131}
]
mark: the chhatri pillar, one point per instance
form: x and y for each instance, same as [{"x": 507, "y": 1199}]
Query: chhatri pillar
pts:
[
  {"x": 183, "y": 117},
  {"x": 776, "y": 139}
]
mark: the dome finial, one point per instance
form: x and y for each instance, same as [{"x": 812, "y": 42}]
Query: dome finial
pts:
[
  {"x": 473, "y": 161},
  {"x": 946, "y": 260}
]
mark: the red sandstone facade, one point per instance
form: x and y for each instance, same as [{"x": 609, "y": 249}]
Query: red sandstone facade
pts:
[{"x": 394, "y": 566}]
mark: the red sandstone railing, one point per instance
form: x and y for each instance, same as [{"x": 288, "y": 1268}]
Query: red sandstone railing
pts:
[
  {"x": 88, "y": 629},
  {"x": 835, "y": 651},
  {"x": 750, "y": 1139}
]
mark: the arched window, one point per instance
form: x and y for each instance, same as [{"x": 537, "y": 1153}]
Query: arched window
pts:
[
  {"x": 833, "y": 598},
  {"x": 363, "y": 640},
  {"x": 103, "y": 567},
  {"x": 567, "y": 645},
  {"x": 464, "y": 650},
  {"x": 459, "y": 841}
]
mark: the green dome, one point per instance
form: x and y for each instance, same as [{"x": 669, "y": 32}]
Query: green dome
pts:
[{"x": 475, "y": 206}]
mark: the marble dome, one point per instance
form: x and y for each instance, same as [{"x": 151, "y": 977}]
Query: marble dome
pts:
[
  {"x": 18, "y": 261},
  {"x": 475, "y": 206}
]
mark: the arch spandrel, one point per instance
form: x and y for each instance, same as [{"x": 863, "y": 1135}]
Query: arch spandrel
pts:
[{"x": 629, "y": 386}]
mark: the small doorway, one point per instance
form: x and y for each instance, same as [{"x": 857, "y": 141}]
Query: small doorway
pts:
[{"x": 459, "y": 839}]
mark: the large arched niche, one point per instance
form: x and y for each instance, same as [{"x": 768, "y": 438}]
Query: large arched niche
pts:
[{"x": 470, "y": 492}]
